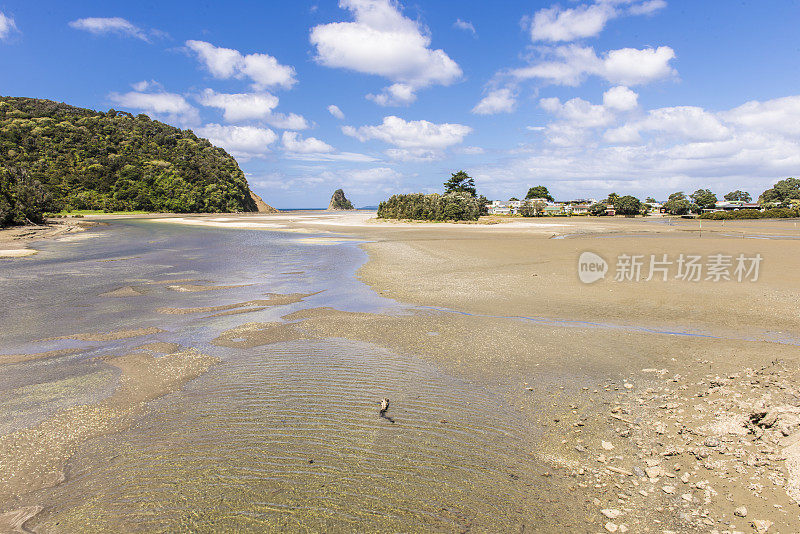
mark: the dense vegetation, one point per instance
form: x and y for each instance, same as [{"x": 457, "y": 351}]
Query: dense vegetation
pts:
[
  {"x": 458, "y": 203},
  {"x": 772, "y": 213},
  {"x": 86, "y": 159},
  {"x": 433, "y": 207},
  {"x": 23, "y": 200}
]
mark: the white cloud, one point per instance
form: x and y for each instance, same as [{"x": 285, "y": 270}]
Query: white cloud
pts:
[
  {"x": 630, "y": 66},
  {"x": 398, "y": 94},
  {"x": 170, "y": 107},
  {"x": 420, "y": 134},
  {"x": 7, "y": 26},
  {"x": 240, "y": 107},
  {"x": 414, "y": 154},
  {"x": 381, "y": 41},
  {"x": 381, "y": 175},
  {"x": 240, "y": 141},
  {"x": 106, "y": 25},
  {"x": 223, "y": 63},
  {"x": 578, "y": 112},
  {"x": 291, "y": 121},
  {"x": 571, "y": 64},
  {"x": 659, "y": 151},
  {"x": 339, "y": 156},
  {"x": 620, "y": 98},
  {"x": 781, "y": 115},
  {"x": 647, "y": 8},
  {"x": 498, "y": 101},
  {"x": 465, "y": 25},
  {"x": 335, "y": 111},
  {"x": 292, "y": 142},
  {"x": 556, "y": 24}
]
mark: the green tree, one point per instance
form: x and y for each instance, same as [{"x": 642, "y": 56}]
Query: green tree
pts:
[
  {"x": 704, "y": 199},
  {"x": 678, "y": 204},
  {"x": 460, "y": 182},
  {"x": 512, "y": 199},
  {"x": 738, "y": 196},
  {"x": 612, "y": 199},
  {"x": 86, "y": 159},
  {"x": 650, "y": 200},
  {"x": 532, "y": 209},
  {"x": 628, "y": 205},
  {"x": 598, "y": 208},
  {"x": 539, "y": 191},
  {"x": 782, "y": 192}
]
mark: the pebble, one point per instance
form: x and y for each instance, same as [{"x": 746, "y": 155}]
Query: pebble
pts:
[
  {"x": 761, "y": 525},
  {"x": 669, "y": 490},
  {"x": 611, "y": 527},
  {"x": 611, "y": 513},
  {"x": 606, "y": 445},
  {"x": 740, "y": 511}
]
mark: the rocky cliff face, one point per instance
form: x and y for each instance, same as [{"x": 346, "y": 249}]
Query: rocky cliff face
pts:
[
  {"x": 339, "y": 202},
  {"x": 262, "y": 206}
]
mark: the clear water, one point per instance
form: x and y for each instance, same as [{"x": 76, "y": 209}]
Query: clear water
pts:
[{"x": 283, "y": 436}]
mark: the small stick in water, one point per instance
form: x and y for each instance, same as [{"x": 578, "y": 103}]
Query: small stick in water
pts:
[{"x": 384, "y": 406}]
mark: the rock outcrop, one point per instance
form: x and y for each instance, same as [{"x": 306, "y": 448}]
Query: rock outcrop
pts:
[
  {"x": 339, "y": 202},
  {"x": 262, "y": 206}
]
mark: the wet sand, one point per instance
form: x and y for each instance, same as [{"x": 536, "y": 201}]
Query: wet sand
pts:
[{"x": 659, "y": 406}]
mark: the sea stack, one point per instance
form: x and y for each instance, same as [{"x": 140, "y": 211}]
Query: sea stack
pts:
[
  {"x": 339, "y": 202},
  {"x": 262, "y": 206}
]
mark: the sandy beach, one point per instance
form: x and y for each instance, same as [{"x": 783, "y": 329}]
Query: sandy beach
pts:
[{"x": 652, "y": 406}]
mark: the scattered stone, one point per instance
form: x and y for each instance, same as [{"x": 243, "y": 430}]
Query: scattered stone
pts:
[
  {"x": 611, "y": 513},
  {"x": 607, "y": 445},
  {"x": 669, "y": 490},
  {"x": 611, "y": 527},
  {"x": 740, "y": 511},
  {"x": 761, "y": 525}
]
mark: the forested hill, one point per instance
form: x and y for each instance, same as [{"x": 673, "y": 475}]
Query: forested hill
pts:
[{"x": 112, "y": 160}]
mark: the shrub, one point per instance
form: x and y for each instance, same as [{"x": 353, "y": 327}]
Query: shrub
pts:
[
  {"x": 434, "y": 207},
  {"x": 774, "y": 213}
]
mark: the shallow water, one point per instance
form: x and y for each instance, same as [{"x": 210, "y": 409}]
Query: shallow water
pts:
[{"x": 281, "y": 436}]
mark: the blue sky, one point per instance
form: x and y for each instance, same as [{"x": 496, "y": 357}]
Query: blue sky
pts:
[{"x": 644, "y": 97}]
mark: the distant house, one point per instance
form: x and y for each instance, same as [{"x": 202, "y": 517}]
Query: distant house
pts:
[
  {"x": 501, "y": 207},
  {"x": 610, "y": 210},
  {"x": 579, "y": 209},
  {"x": 657, "y": 207},
  {"x": 733, "y": 205}
]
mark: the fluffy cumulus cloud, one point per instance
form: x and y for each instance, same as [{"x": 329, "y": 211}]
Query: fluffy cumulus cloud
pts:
[
  {"x": 224, "y": 63},
  {"x": 420, "y": 134},
  {"x": 336, "y": 112},
  {"x": 383, "y": 42},
  {"x": 7, "y": 26},
  {"x": 109, "y": 25},
  {"x": 287, "y": 121},
  {"x": 571, "y": 64},
  {"x": 240, "y": 107},
  {"x": 398, "y": 94},
  {"x": 620, "y": 98},
  {"x": 497, "y": 101},
  {"x": 557, "y": 24},
  {"x": 170, "y": 107},
  {"x": 241, "y": 141},
  {"x": 658, "y": 151},
  {"x": 292, "y": 142}
]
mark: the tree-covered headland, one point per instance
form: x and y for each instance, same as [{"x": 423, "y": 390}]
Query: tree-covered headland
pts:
[{"x": 58, "y": 157}]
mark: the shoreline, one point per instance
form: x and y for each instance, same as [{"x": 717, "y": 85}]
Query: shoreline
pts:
[{"x": 14, "y": 240}]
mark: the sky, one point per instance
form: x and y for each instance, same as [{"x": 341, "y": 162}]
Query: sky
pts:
[{"x": 642, "y": 97}]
